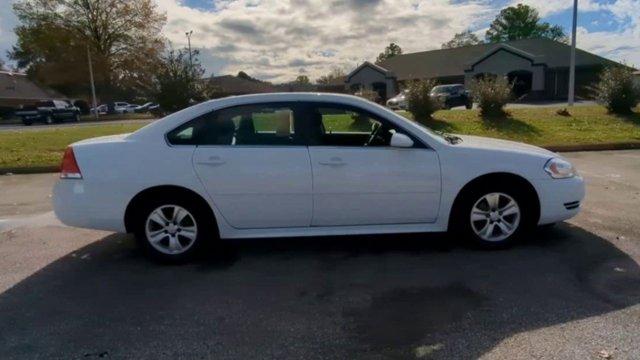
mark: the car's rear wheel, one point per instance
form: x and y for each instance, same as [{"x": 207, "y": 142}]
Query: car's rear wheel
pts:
[
  {"x": 172, "y": 230},
  {"x": 468, "y": 105},
  {"x": 492, "y": 216},
  {"x": 76, "y": 118},
  {"x": 48, "y": 120}
]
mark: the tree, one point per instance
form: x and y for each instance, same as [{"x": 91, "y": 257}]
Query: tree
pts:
[
  {"x": 179, "y": 82},
  {"x": 389, "y": 52},
  {"x": 123, "y": 36},
  {"x": 335, "y": 74},
  {"x": 465, "y": 38},
  {"x": 522, "y": 22},
  {"x": 302, "y": 79}
]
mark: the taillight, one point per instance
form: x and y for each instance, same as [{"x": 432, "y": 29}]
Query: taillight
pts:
[{"x": 69, "y": 168}]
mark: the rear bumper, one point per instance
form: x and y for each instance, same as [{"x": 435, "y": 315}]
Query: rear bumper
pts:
[
  {"x": 560, "y": 199},
  {"x": 78, "y": 204}
]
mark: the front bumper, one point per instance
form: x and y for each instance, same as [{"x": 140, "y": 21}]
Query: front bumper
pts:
[{"x": 560, "y": 199}]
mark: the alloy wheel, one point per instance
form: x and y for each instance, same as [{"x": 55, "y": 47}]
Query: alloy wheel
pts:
[
  {"x": 171, "y": 229},
  {"x": 495, "y": 217}
]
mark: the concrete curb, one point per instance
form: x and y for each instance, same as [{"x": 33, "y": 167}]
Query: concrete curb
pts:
[
  {"x": 29, "y": 170},
  {"x": 554, "y": 148}
]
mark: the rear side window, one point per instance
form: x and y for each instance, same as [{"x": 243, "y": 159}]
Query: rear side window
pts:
[{"x": 262, "y": 124}]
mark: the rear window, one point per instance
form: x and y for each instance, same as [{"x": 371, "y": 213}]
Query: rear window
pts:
[{"x": 263, "y": 124}]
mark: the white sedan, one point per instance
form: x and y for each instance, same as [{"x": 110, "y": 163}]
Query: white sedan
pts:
[{"x": 303, "y": 164}]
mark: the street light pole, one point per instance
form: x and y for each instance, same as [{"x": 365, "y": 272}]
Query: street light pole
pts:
[
  {"x": 572, "y": 63},
  {"x": 188, "y": 33},
  {"x": 93, "y": 86}
]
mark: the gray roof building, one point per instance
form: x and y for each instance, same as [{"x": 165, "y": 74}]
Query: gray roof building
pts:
[
  {"x": 538, "y": 67},
  {"x": 16, "y": 90}
]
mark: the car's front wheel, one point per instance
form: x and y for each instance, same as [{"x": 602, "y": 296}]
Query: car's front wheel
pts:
[
  {"x": 48, "y": 120},
  {"x": 493, "y": 217},
  {"x": 172, "y": 230}
]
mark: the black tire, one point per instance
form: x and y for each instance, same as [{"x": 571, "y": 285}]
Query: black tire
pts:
[
  {"x": 207, "y": 234},
  {"x": 76, "y": 118},
  {"x": 48, "y": 120},
  {"x": 468, "y": 105},
  {"x": 461, "y": 215}
]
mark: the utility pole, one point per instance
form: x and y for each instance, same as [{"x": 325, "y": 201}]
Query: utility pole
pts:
[
  {"x": 93, "y": 86},
  {"x": 189, "y": 33},
  {"x": 572, "y": 63}
]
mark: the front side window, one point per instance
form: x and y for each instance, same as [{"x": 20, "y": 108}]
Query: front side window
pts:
[
  {"x": 262, "y": 124},
  {"x": 336, "y": 125}
]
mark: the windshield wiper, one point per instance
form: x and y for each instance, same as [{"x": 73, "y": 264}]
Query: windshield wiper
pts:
[{"x": 451, "y": 139}]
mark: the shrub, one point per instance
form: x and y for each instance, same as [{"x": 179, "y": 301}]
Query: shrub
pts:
[
  {"x": 492, "y": 94},
  {"x": 616, "y": 90},
  {"x": 368, "y": 94},
  {"x": 419, "y": 101}
]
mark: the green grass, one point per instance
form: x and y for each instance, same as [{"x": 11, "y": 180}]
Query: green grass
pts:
[
  {"x": 542, "y": 126},
  {"x": 539, "y": 126},
  {"x": 44, "y": 148}
]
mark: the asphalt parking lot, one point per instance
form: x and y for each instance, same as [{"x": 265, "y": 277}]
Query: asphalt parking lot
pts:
[{"x": 569, "y": 292}]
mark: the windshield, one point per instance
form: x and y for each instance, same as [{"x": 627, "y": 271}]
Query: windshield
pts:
[{"x": 446, "y": 89}]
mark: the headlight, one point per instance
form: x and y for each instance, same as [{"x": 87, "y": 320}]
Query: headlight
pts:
[{"x": 560, "y": 169}]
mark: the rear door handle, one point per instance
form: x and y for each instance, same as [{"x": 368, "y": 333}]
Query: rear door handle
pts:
[
  {"x": 334, "y": 161},
  {"x": 212, "y": 161}
]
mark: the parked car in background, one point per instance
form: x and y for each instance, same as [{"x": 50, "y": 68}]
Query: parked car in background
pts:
[
  {"x": 101, "y": 109},
  {"x": 130, "y": 109},
  {"x": 146, "y": 107},
  {"x": 82, "y": 105},
  {"x": 48, "y": 112},
  {"x": 398, "y": 102},
  {"x": 118, "y": 107},
  {"x": 269, "y": 165},
  {"x": 452, "y": 95}
]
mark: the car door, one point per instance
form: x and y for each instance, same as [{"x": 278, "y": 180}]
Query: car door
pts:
[
  {"x": 358, "y": 179},
  {"x": 253, "y": 165}
]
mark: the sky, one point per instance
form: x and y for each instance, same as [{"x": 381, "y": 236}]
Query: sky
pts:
[{"x": 277, "y": 40}]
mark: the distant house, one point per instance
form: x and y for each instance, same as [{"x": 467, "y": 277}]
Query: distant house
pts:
[
  {"x": 337, "y": 85},
  {"x": 539, "y": 68},
  {"x": 636, "y": 78},
  {"x": 17, "y": 90},
  {"x": 228, "y": 85}
]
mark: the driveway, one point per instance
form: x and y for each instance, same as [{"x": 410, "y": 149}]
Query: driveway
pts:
[{"x": 572, "y": 291}]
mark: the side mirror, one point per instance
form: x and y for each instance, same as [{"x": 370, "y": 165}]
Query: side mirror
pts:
[{"x": 400, "y": 141}]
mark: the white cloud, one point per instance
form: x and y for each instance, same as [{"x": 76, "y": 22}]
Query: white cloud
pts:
[
  {"x": 314, "y": 35},
  {"x": 279, "y": 39}
]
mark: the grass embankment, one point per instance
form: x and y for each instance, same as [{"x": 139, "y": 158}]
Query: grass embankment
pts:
[{"x": 589, "y": 126}]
